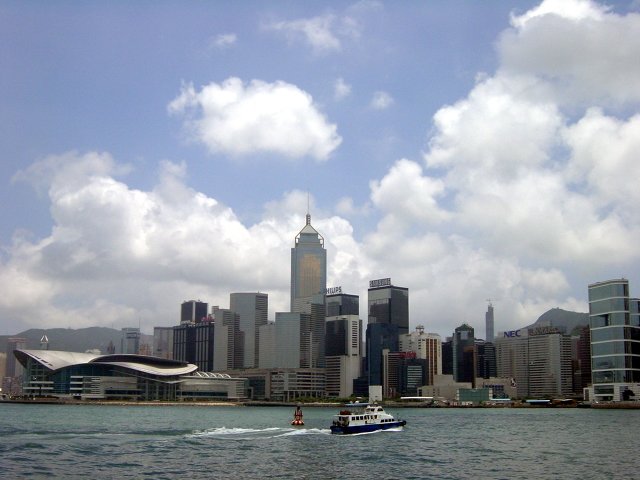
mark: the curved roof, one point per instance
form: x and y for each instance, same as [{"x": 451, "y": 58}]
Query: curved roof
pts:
[{"x": 57, "y": 360}]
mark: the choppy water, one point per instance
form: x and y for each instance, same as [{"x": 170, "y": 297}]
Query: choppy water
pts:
[{"x": 56, "y": 441}]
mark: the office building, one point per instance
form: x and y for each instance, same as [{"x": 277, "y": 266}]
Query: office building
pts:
[
  {"x": 228, "y": 341},
  {"x": 252, "y": 308},
  {"x": 488, "y": 322},
  {"x": 485, "y": 359},
  {"x": 447, "y": 356},
  {"x": 194, "y": 343},
  {"x": 550, "y": 373},
  {"x": 267, "y": 347},
  {"x": 130, "y": 341},
  {"x": 163, "y": 342},
  {"x": 312, "y": 331},
  {"x": 512, "y": 359},
  {"x": 13, "y": 368},
  {"x": 614, "y": 321},
  {"x": 582, "y": 360},
  {"x": 464, "y": 355},
  {"x": 426, "y": 346},
  {"x": 193, "y": 311},
  {"x": 13, "y": 371},
  {"x": 380, "y": 336},
  {"x": 388, "y": 304},
  {"x": 340, "y": 304},
  {"x": 289, "y": 339},
  {"x": 343, "y": 354},
  {"x": 308, "y": 266}
]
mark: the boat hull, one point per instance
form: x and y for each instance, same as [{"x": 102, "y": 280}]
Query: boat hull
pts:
[{"x": 370, "y": 427}]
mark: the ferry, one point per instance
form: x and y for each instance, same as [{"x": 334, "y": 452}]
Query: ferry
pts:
[{"x": 363, "y": 417}]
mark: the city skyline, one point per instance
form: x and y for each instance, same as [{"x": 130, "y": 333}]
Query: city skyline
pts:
[{"x": 155, "y": 155}]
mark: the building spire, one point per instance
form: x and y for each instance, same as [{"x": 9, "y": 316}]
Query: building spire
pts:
[{"x": 308, "y": 214}]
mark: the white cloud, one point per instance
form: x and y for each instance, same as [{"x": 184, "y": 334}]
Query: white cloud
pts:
[
  {"x": 241, "y": 119},
  {"x": 408, "y": 195},
  {"x": 381, "y": 100},
  {"x": 317, "y": 32},
  {"x": 588, "y": 53},
  {"x": 224, "y": 40},
  {"x": 341, "y": 89},
  {"x": 117, "y": 255}
]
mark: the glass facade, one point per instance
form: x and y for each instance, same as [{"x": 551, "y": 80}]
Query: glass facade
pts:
[
  {"x": 615, "y": 338},
  {"x": 308, "y": 265},
  {"x": 390, "y": 305}
]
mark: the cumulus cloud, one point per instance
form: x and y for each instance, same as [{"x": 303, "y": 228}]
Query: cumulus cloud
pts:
[
  {"x": 526, "y": 194},
  {"x": 241, "y": 119},
  {"x": 341, "y": 89},
  {"x": 117, "y": 255},
  {"x": 585, "y": 51},
  {"x": 381, "y": 100},
  {"x": 522, "y": 194}
]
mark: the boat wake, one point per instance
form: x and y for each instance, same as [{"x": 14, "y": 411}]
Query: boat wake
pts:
[{"x": 249, "y": 433}]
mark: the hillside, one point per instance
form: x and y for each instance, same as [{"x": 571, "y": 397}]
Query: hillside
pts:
[
  {"x": 72, "y": 340},
  {"x": 558, "y": 317}
]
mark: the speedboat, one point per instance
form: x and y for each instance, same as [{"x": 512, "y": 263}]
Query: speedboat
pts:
[
  {"x": 297, "y": 417},
  {"x": 363, "y": 417}
]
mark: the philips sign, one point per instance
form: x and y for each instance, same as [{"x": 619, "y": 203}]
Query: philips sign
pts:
[{"x": 333, "y": 290}]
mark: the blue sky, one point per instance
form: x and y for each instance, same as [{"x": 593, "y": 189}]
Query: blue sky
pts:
[{"x": 154, "y": 152}]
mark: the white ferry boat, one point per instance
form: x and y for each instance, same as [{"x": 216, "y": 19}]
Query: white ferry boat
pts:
[{"x": 363, "y": 417}]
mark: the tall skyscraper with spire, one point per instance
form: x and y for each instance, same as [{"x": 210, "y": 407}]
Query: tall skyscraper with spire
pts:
[
  {"x": 308, "y": 288},
  {"x": 308, "y": 267}
]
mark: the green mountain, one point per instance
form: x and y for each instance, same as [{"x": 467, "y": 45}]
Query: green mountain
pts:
[
  {"x": 72, "y": 340},
  {"x": 557, "y": 317}
]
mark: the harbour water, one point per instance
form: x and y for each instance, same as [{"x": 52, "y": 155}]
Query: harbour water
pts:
[{"x": 166, "y": 442}]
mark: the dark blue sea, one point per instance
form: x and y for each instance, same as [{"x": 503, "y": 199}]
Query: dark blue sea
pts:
[{"x": 193, "y": 442}]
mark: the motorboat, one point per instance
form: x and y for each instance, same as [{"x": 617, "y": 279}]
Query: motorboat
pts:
[
  {"x": 297, "y": 417},
  {"x": 364, "y": 417}
]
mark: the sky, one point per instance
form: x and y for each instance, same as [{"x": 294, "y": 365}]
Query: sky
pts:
[{"x": 157, "y": 152}]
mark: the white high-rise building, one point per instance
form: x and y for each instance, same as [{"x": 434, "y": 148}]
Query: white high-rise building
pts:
[
  {"x": 344, "y": 354},
  {"x": 426, "y": 346},
  {"x": 252, "y": 309}
]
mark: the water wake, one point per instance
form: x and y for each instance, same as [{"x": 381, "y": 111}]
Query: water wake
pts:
[{"x": 246, "y": 433}]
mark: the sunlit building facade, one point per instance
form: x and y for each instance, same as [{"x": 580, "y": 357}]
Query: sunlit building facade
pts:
[{"x": 308, "y": 266}]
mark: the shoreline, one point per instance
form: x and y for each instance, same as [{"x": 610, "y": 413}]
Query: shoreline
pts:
[{"x": 264, "y": 403}]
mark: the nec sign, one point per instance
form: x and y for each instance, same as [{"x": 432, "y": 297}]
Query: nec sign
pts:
[{"x": 512, "y": 334}]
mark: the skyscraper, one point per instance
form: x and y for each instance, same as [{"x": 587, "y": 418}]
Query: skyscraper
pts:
[
  {"x": 253, "y": 311},
  {"x": 389, "y": 304},
  {"x": 614, "y": 320},
  {"x": 426, "y": 346},
  {"x": 228, "y": 340},
  {"x": 130, "y": 341},
  {"x": 380, "y": 337},
  {"x": 488, "y": 322},
  {"x": 464, "y": 355},
  {"x": 342, "y": 304},
  {"x": 193, "y": 311},
  {"x": 13, "y": 367},
  {"x": 343, "y": 354},
  {"x": 308, "y": 266}
]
